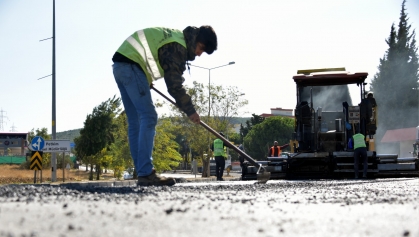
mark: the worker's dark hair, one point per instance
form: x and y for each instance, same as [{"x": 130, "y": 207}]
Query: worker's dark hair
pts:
[{"x": 207, "y": 37}]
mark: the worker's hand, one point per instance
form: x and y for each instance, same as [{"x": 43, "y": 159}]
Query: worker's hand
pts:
[{"x": 195, "y": 118}]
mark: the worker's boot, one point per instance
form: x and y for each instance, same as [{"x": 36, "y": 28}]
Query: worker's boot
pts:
[{"x": 155, "y": 179}]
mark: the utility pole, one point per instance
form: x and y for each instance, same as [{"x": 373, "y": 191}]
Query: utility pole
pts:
[
  {"x": 13, "y": 127},
  {"x": 53, "y": 120},
  {"x": 2, "y": 118},
  {"x": 54, "y": 125}
]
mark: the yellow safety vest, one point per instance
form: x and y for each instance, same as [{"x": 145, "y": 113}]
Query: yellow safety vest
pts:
[{"x": 142, "y": 47}]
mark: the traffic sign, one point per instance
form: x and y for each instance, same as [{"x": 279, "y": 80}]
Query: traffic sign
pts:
[
  {"x": 57, "y": 146},
  {"x": 36, "y": 160},
  {"x": 37, "y": 143}
]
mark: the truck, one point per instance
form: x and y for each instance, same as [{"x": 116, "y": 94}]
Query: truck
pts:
[{"x": 325, "y": 120}]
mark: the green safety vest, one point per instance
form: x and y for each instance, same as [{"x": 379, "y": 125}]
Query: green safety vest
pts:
[
  {"x": 359, "y": 140},
  {"x": 142, "y": 47},
  {"x": 219, "y": 148}
]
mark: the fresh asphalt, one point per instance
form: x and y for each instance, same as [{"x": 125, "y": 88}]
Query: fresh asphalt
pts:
[{"x": 200, "y": 207}]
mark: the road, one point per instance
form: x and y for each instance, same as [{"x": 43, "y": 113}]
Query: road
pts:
[{"x": 379, "y": 207}]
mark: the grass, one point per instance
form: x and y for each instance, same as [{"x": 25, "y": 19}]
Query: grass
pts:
[{"x": 14, "y": 174}]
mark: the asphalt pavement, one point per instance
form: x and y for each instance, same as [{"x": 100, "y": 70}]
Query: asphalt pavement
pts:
[{"x": 376, "y": 207}]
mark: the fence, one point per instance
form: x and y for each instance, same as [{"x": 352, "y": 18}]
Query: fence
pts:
[{"x": 12, "y": 159}]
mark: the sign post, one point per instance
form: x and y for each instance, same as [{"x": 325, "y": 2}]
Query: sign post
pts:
[
  {"x": 37, "y": 144},
  {"x": 51, "y": 146}
]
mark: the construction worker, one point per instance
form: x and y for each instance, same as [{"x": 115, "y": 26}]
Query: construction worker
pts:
[
  {"x": 360, "y": 150},
  {"x": 145, "y": 56},
  {"x": 275, "y": 150},
  {"x": 220, "y": 155}
]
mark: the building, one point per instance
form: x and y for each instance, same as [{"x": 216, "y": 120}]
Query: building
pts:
[
  {"x": 404, "y": 136},
  {"x": 13, "y": 143},
  {"x": 279, "y": 112}
]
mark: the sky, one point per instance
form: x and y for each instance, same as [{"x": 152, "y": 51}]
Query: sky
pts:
[{"x": 269, "y": 40}]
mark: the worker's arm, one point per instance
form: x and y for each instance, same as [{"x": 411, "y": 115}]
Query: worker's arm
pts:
[
  {"x": 172, "y": 58},
  {"x": 284, "y": 146}
]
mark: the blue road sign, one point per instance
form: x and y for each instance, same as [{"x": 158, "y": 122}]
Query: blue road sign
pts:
[{"x": 37, "y": 143}]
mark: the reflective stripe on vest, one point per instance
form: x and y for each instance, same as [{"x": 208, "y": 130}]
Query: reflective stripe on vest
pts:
[{"x": 144, "y": 50}]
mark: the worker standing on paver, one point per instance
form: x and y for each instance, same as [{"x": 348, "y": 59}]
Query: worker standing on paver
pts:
[
  {"x": 145, "y": 56},
  {"x": 360, "y": 150},
  {"x": 275, "y": 150}
]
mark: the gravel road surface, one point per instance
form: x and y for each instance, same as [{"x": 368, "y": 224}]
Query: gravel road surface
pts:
[{"x": 379, "y": 207}]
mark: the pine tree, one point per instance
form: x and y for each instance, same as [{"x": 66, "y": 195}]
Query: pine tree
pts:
[{"x": 395, "y": 85}]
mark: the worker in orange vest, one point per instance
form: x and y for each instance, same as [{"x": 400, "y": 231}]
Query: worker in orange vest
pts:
[{"x": 275, "y": 150}]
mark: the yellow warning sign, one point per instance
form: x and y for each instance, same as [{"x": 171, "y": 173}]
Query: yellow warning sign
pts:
[{"x": 36, "y": 160}]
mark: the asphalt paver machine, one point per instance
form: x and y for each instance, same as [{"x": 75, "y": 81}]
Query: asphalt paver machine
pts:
[{"x": 325, "y": 121}]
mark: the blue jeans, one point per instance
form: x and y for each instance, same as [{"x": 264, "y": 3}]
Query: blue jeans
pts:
[
  {"x": 361, "y": 152},
  {"x": 219, "y": 166},
  {"x": 141, "y": 114}
]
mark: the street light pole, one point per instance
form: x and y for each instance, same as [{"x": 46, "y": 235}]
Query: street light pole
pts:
[
  {"x": 209, "y": 96},
  {"x": 209, "y": 82}
]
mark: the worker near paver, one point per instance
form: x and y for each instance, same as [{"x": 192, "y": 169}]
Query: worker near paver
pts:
[
  {"x": 220, "y": 155},
  {"x": 360, "y": 151},
  {"x": 275, "y": 150},
  {"x": 145, "y": 56}
]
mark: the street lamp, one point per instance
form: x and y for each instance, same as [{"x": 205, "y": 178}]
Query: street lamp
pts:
[{"x": 209, "y": 82}]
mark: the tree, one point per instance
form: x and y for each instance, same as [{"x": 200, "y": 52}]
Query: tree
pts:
[
  {"x": 261, "y": 136},
  {"x": 225, "y": 104},
  {"x": 165, "y": 154},
  {"x": 120, "y": 152},
  {"x": 98, "y": 132},
  {"x": 395, "y": 85},
  {"x": 236, "y": 140},
  {"x": 244, "y": 130}
]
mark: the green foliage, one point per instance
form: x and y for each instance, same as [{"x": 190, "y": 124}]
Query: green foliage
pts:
[
  {"x": 225, "y": 104},
  {"x": 236, "y": 139},
  {"x": 98, "y": 132},
  {"x": 244, "y": 130},
  {"x": 165, "y": 154},
  {"x": 68, "y": 135},
  {"x": 119, "y": 150},
  {"x": 67, "y": 160},
  {"x": 395, "y": 85},
  {"x": 99, "y": 127},
  {"x": 261, "y": 137}
]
